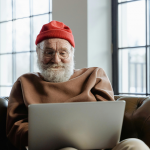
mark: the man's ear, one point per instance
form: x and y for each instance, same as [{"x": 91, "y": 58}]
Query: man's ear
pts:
[
  {"x": 37, "y": 48},
  {"x": 37, "y": 52}
]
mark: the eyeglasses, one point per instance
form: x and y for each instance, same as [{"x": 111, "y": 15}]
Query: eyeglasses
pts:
[{"x": 63, "y": 54}]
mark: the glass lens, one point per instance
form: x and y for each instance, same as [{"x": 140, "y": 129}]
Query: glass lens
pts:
[
  {"x": 132, "y": 68},
  {"x": 131, "y": 24},
  {"x": 35, "y": 67},
  {"x": 38, "y": 22},
  {"x": 22, "y": 8},
  {"x": 22, "y": 34},
  {"x": 40, "y": 6},
  {"x": 6, "y": 37},
  {"x": 63, "y": 54},
  {"x": 48, "y": 53},
  {"x": 6, "y": 69},
  {"x": 5, "y": 91},
  {"x": 5, "y": 10},
  {"x": 22, "y": 64}
]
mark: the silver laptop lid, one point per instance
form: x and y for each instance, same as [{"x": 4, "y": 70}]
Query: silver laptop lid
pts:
[{"x": 82, "y": 125}]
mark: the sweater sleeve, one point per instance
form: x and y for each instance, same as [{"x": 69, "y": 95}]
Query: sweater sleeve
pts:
[
  {"x": 102, "y": 90},
  {"x": 17, "y": 118}
]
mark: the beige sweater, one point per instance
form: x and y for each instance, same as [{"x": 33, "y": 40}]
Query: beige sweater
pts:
[{"x": 85, "y": 85}]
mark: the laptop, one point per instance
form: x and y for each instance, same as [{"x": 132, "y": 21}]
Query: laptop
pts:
[{"x": 81, "y": 125}]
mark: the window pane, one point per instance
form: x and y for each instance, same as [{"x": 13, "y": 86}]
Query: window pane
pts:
[
  {"x": 50, "y": 16},
  {"x": 5, "y": 91},
  {"x": 22, "y": 8},
  {"x": 131, "y": 24},
  {"x": 22, "y": 34},
  {"x": 132, "y": 68},
  {"x": 135, "y": 95},
  {"x": 22, "y": 64},
  {"x": 40, "y": 6},
  {"x": 35, "y": 67},
  {"x": 119, "y": 1},
  {"x": 6, "y": 37},
  {"x": 38, "y": 22},
  {"x": 148, "y": 22},
  {"x": 5, "y": 10},
  {"x": 148, "y": 69},
  {"x": 50, "y": 5},
  {"x": 6, "y": 69}
]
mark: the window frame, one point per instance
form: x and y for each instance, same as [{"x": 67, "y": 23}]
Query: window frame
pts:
[
  {"x": 31, "y": 51},
  {"x": 115, "y": 49}
]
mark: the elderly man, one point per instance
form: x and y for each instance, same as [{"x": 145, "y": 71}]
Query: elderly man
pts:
[{"x": 57, "y": 82}]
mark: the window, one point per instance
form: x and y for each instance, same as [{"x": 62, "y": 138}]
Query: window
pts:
[
  {"x": 131, "y": 47},
  {"x": 20, "y": 23}
]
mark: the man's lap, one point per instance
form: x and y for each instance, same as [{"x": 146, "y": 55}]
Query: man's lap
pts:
[{"x": 128, "y": 144}]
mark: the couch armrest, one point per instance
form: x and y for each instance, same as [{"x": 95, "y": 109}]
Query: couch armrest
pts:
[
  {"x": 3, "y": 112},
  {"x": 136, "y": 122},
  {"x": 4, "y": 142}
]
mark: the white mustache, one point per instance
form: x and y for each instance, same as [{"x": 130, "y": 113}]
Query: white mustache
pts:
[{"x": 46, "y": 66}]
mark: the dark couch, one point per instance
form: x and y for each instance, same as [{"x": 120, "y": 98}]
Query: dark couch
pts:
[{"x": 136, "y": 122}]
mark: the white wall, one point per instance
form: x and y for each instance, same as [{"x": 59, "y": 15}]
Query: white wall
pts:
[
  {"x": 99, "y": 35},
  {"x": 73, "y": 13},
  {"x": 90, "y": 22}
]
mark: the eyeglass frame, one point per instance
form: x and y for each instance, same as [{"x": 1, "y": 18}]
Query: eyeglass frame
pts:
[{"x": 55, "y": 53}]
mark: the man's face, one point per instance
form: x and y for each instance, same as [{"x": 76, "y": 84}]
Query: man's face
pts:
[
  {"x": 55, "y": 44},
  {"x": 55, "y": 68}
]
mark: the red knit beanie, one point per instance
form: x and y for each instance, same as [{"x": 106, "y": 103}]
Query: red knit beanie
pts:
[{"x": 55, "y": 29}]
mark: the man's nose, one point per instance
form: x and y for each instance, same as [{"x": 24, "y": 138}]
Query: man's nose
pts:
[{"x": 56, "y": 59}]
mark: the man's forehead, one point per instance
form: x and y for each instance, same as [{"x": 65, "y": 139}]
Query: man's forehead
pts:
[{"x": 56, "y": 42}]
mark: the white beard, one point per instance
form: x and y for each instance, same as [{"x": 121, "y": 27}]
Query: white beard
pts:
[{"x": 60, "y": 75}]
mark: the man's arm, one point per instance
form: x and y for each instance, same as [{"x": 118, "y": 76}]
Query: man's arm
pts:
[
  {"x": 102, "y": 90},
  {"x": 17, "y": 118}
]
